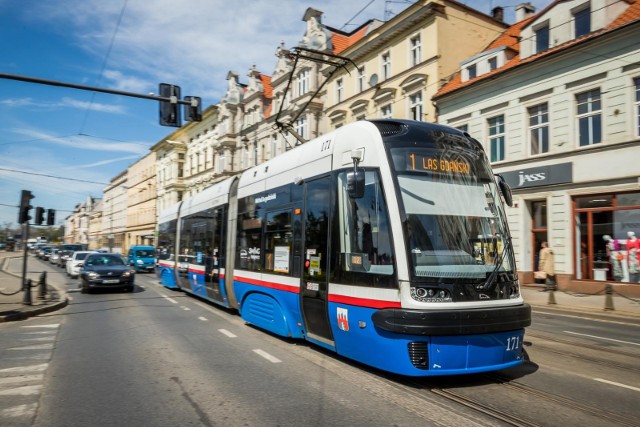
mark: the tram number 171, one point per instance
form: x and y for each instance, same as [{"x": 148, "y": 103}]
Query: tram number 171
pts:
[{"x": 513, "y": 343}]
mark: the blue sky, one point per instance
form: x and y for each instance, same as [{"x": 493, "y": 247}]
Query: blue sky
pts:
[{"x": 130, "y": 45}]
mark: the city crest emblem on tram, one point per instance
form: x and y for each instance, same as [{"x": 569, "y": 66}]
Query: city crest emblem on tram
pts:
[{"x": 343, "y": 319}]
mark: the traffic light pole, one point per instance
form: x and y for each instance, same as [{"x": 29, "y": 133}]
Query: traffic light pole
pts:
[{"x": 25, "y": 239}]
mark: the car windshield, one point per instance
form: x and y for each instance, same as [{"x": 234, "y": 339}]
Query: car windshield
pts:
[
  {"x": 456, "y": 227},
  {"x": 81, "y": 256},
  {"x": 102, "y": 260},
  {"x": 145, "y": 253}
]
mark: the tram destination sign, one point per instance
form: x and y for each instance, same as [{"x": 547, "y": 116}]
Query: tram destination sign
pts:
[{"x": 542, "y": 175}]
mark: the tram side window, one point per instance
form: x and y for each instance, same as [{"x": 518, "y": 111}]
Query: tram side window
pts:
[
  {"x": 249, "y": 237},
  {"x": 166, "y": 240},
  {"x": 278, "y": 242},
  {"x": 365, "y": 247}
]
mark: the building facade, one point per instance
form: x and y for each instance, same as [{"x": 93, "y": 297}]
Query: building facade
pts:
[
  {"x": 402, "y": 62},
  {"x": 141, "y": 202},
  {"x": 114, "y": 214},
  {"x": 560, "y": 119}
]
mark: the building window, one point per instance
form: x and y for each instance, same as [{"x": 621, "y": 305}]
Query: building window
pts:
[
  {"x": 385, "y": 111},
  {"x": 301, "y": 127},
  {"x": 386, "y": 65},
  {"x": 582, "y": 21},
  {"x": 542, "y": 39},
  {"x": 274, "y": 146},
  {"x": 339, "y": 90},
  {"x": 493, "y": 63},
  {"x": 255, "y": 154},
  {"x": 361, "y": 79},
  {"x": 496, "y": 138},
  {"x": 538, "y": 229},
  {"x": 415, "y": 106},
  {"x": 303, "y": 82},
  {"x": 221, "y": 161},
  {"x": 589, "y": 117},
  {"x": 637, "y": 84},
  {"x": 472, "y": 72},
  {"x": 539, "y": 128},
  {"x": 416, "y": 50},
  {"x": 463, "y": 128}
]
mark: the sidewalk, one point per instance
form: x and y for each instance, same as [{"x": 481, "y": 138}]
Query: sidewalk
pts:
[
  {"x": 12, "y": 307},
  {"x": 612, "y": 305}
]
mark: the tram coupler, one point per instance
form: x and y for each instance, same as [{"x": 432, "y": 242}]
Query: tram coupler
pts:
[
  {"x": 26, "y": 298},
  {"x": 608, "y": 297},
  {"x": 42, "y": 286}
]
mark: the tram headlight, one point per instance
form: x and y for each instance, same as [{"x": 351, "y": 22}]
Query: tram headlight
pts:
[{"x": 430, "y": 294}]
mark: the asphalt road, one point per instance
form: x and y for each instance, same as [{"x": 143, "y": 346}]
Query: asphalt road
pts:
[{"x": 157, "y": 357}]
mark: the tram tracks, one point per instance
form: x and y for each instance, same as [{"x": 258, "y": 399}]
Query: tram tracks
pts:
[
  {"x": 470, "y": 394},
  {"x": 605, "y": 361}
]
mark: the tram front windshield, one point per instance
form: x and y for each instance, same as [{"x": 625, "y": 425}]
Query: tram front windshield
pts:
[{"x": 455, "y": 224}]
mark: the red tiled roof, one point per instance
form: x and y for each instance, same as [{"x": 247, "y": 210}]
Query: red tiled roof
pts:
[
  {"x": 509, "y": 39},
  {"x": 342, "y": 41}
]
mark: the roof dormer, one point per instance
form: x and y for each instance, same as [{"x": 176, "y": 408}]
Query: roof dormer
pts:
[{"x": 485, "y": 62}]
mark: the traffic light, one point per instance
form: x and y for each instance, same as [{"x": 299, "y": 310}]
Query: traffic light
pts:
[
  {"x": 170, "y": 110},
  {"x": 39, "y": 216},
  {"x": 193, "y": 112},
  {"x": 51, "y": 216},
  {"x": 25, "y": 206}
]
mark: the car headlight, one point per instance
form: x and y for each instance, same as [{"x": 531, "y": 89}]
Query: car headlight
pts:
[
  {"x": 93, "y": 275},
  {"x": 126, "y": 274},
  {"x": 139, "y": 261}
]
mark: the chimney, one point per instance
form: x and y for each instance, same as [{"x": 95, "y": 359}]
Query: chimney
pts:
[
  {"x": 498, "y": 13},
  {"x": 524, "y": 10}
]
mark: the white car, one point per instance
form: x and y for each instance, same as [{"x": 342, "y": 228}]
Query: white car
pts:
[{"x": 73, "y": 269}]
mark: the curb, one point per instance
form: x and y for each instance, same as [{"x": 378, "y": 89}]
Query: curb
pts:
[{"x": 14, "y": 315}]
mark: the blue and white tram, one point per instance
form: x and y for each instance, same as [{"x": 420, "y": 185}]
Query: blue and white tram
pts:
[{"x": 385, "y": 241}]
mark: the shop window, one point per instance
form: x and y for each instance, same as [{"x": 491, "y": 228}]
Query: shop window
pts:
[
  {"x": 599, "y": 201},
  {"x": 637, "y": 85},
  {"x": 629, "y": 199}
]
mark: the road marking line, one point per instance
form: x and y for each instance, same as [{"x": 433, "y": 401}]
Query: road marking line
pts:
[
  {"x": 267, "y": 356},
  {"x": 204, "y": 319},
  {"x": 52, "y": 325},
  {"x": 45, "y": 356},
  {"x": 34, "y": 347},
  {"x": 617, "y": 384},
  {"x": 601, "y": 338},
  {"x": 169, "y": 299},
  {"x": 30, "y": 368},
  {"x": 24, "y": 379},
  {"x": 40, "y": 333},
  {"x": 38, "y": 339},
  {"x": 20, "y": 411},
  {"x": 227, "y": 333},
  {"x": 22, "y": 391},
  {"x": 185, "y": 308}
]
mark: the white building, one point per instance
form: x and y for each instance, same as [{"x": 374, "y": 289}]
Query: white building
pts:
[{"x": 555, "y": 100}]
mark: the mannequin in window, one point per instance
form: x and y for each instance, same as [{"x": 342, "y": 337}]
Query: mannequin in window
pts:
[
  {"x": 633, "y": 256},
  {"x": 614, "y": 257}
]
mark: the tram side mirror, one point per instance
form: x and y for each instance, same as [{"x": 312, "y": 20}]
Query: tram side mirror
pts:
[
  {"x": 505, "y": 190},
  {"x": 355, "y": 183}
]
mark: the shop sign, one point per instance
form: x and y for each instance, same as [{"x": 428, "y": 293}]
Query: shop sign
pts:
[{"x": 538, "y": 176}]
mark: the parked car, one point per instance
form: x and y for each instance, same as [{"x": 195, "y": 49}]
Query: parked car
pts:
[
  {"x": 74, "y": 263},
  {"x": 142, "y": 258},
  {"x": 106, "y": 271}
]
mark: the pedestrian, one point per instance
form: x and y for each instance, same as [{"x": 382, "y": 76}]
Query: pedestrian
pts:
[{"x": 547, "y": 264}]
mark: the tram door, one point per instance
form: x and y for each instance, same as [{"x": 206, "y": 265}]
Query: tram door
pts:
[{"x": 315, "y": 281}]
